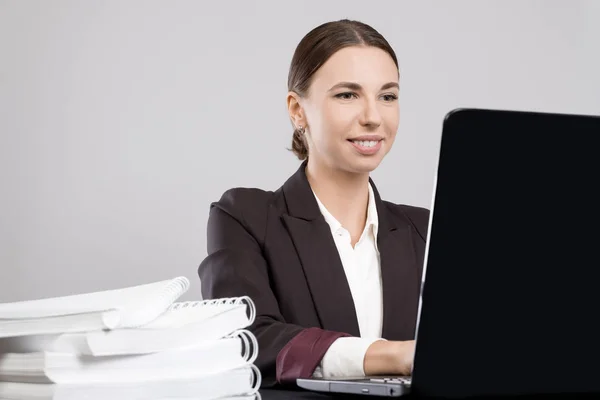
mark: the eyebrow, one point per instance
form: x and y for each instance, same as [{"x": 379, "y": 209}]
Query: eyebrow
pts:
[{"x": 356, "y": 86}]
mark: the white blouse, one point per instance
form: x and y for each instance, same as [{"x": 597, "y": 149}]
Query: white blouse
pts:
[{"x": 345, "y": 356}]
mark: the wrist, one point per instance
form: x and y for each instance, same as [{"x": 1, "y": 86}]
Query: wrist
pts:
[
  {"x": 379, "y": 358},
  {"x": 389, "y": 358}
]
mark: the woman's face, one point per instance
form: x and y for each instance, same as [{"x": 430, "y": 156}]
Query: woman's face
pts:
[{"x": 351, "y": 111}]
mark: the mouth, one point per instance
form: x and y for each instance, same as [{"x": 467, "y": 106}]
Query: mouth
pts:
[{"x": 367, "y": 145}]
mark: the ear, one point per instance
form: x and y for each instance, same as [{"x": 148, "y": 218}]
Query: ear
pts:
[{"x": 295, "y": 110}]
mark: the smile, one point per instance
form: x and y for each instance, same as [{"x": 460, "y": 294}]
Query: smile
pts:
[
  {"x": 366, "y": 147},
  {"x": 366, "y": 143}
]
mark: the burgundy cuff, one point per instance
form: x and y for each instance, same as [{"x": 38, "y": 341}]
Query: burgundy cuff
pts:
[{"x": 301, "y": 356}]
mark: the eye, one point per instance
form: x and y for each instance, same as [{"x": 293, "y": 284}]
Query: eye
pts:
[
  {"x": 389, "y": 97},
  {"x": 345, "y": 95}
]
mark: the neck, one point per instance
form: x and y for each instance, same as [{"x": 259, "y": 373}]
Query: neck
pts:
[{"x": 344, "y": 194}]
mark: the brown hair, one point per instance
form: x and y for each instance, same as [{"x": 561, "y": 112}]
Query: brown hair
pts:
[{"x": 316, "y": 48}]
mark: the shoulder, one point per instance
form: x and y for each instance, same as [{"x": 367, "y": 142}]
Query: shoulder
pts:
[
  {"x": 417, "y": 217},
  {"x": 240, "y": 198},
  {"x": 248, "y": 206},
  {"x": 243, "y": 201}
]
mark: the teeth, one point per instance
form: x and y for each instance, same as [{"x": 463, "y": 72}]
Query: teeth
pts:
[{"x": 368, "y": 143}]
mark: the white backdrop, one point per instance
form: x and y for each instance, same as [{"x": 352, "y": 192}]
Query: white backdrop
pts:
[{"x": 120, "y": 121}]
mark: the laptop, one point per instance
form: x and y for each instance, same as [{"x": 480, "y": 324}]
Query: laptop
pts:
[{"x": 511, "y": 284}]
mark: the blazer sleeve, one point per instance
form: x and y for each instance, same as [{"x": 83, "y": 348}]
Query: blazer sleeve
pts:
[{"x": 235, "y": 267}]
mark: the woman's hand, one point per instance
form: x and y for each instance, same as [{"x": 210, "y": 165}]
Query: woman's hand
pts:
[{"x": 389, "y": 358}]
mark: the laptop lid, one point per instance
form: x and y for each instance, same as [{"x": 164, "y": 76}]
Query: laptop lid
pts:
[{"x": 511, "y": 296}]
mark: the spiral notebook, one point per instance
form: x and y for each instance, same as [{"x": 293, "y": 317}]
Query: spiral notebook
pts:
[
  {"x": 236, "y": 350},
  {"x": 242, "y": 381},
  {"x": 110, "y": 309},
  {"x": 182, "y": 324}
]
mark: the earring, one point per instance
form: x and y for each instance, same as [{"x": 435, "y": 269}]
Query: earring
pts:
[{"x": 301, "y": 129}]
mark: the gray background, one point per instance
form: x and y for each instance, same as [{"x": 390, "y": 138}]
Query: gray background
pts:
[{"x": 120, "y": 121}]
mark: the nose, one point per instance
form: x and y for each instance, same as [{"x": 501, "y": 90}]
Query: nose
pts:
[{"x": 370, "y": 115}]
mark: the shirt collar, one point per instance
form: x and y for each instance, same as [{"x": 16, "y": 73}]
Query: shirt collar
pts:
[{"x": 372, "y": 216}]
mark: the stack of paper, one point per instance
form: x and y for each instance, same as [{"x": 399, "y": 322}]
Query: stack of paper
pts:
[{"x": 130, "y": 343}]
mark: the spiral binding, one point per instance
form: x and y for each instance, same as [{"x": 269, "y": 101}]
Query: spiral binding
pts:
[
  {"x": 249, "y": 344},
  {"x": 131, "y": 316},
  {"x": 257, "y": 379},
  {"x": 217, "y": 302},
  {"x": 176, "y": 288}
]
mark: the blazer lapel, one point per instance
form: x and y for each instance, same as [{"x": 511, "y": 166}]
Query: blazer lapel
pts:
[
  {"x": 319, "y": 257},
  {"x": 399, "y": 275}
]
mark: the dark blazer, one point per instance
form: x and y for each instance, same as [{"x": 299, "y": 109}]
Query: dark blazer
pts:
[{"x": 277, "y": 248}]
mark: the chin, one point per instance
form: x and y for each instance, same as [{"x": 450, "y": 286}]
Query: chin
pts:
[{"x": 363, "y": 165}]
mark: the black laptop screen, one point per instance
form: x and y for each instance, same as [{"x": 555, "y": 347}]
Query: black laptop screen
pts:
[{"x": 511, "y": 300}]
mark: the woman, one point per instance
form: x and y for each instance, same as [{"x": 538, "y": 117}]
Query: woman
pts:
[{"x": 331, "y": 267}]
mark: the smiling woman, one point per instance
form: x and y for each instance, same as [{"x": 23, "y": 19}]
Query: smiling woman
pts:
[
  {"x": 334, "y": 270},
  {"x": 362, "y": 109}
]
